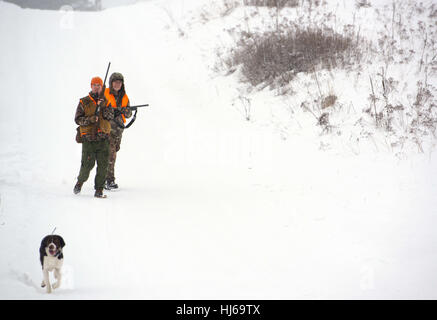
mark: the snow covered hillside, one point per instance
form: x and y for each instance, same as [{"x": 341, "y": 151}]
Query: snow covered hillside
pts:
[{"x": 210, "y": 206}]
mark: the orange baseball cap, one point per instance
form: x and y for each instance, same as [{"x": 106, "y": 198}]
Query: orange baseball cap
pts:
[{"x": 97, "y": 80}]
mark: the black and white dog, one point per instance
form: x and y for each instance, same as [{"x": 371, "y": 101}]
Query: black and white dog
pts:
[{"x": 52, "y": 258}]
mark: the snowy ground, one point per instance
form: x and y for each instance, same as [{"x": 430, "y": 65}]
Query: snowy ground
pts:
[{"x": 210, "y": 206}]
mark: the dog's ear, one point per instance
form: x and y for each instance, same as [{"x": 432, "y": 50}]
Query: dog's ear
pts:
[
  {"x": 42, "y": 248},
  {"x": 62, "y": 241},
  {"x": 44, "y": 242}
]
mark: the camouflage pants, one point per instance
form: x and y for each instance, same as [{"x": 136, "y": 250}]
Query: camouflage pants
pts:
[
  {"x": 114, "y": 146},
  {"x": 92, "y": 152}
]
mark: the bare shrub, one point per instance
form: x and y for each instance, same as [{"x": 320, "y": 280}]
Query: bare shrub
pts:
[
  {"x": 280, "y": 55},
  {"x": 362, "y": 4},
  {"x": 280, "y": 3},
  {"x": 329, "y": 101},
  {"x": 229, "y": 6},
  {"x": 272, "y": 3},
  {"x": 323, "y": 121},
  {"x": 424, "y": 115},
  {"x": 217, "y": 9}
]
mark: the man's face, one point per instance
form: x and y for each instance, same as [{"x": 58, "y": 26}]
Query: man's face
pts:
[
  {"x": 96, "y": 88},
  {"x": 116, "y": 84}
]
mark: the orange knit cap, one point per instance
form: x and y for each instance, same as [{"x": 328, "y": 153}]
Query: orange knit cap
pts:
[{"x": 97, "y": 80}]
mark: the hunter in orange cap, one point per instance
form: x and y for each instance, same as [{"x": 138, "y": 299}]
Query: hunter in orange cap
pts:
[{"x": 92, "y": 117}]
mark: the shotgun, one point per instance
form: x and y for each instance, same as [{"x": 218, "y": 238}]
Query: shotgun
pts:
[{"x": 102, "y": 94}]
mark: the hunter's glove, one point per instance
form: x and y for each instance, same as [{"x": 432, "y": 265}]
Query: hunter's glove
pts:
[
  {"x": 92, "y": 119},
  {"x": 116, "y": 113},
  {"x": 125, "y": 111},
  {"x": 107, "y": 113}
]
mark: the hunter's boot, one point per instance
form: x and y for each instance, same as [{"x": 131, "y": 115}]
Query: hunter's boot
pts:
[
  {"x": 99, "y": 194},
  {"x": 77, "y": 187},
  {"x": 110, "y": 184}
]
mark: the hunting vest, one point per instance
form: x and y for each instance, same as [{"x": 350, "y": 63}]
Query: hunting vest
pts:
[
  {"x": 111, "y": 101},
  {"x": 89, "y": 106}
]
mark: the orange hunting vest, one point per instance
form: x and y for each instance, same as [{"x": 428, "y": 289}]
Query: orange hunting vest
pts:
[
  {"x": 89, "y": 106},
  {"x": 111, "y": 101}
]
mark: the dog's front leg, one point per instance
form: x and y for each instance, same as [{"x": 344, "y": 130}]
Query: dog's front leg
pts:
[
  {"x": 58, "y": 277},
  {"x": 47, "y": 281}
]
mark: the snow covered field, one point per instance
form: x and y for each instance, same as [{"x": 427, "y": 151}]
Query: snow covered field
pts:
[{"x": 210, "y": 206}]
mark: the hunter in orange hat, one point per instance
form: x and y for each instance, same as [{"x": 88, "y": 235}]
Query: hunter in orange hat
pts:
[{"x": 93, "y": 117}]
